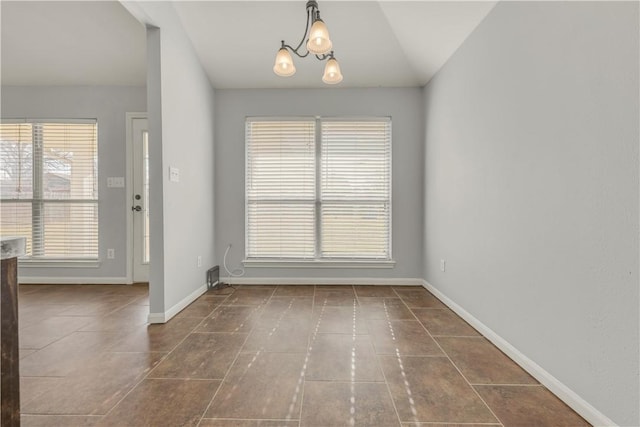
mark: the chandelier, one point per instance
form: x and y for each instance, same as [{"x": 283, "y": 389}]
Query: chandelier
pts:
[{"x": 318, "y": 43}]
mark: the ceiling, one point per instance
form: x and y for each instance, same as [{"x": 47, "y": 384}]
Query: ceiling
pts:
[
  {"x": 71, "y": 43},
  {"x": 378, "y": 43}
]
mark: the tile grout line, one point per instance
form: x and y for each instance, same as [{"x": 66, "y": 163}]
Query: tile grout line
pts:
[
  {"x": 62, "y": 415},
  {"x": 352, "y": 387},
  {"x": 304, "y": 381},
  {"x": 250, "y": 419},
  {"x": 378, "y": 356},
  {"x": 347, "y": 382},
  {"x": 292, "y": 298},
  {"x": 386, "y": 382},
  {"x": 65, "y": 376},
  {"x": 451, "y": 361},
  {"x": 234, "y": 360},
  {"x": 455, "y": 336},
  {"x": 161, "y": 359},
  {"x": 310, "y": 341},
  {"x": 256, "y": 313},
  {"x": 506, "y": 385},
  {"x": 456, "y": 424}
]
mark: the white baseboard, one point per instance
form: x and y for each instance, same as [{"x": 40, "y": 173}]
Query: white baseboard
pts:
[
  {"x": 167, "y": 315},
  {"x": 321, "y": 281},
  {"x": 156, "y": 318},
  {"x": 564, "y": 393},
  {"x": 73, "y": 280}
]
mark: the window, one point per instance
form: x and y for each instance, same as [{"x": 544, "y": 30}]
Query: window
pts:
[
  {"x": 48, "y": 187},
  {"x": 318, "y": 189}
]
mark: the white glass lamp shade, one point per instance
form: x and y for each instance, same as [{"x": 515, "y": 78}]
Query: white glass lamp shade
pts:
[
  {"x": 284, "y": 64},
  {"x": 319, "y": 42},
  {"x": 332, "y": 74}
]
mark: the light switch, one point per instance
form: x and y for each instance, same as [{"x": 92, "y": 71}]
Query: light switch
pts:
[
  {"x": 174, "y": 174},
  {"x": 115, "y": 182}
]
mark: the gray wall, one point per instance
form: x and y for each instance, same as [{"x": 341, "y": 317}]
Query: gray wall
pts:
[
  {"x": 181, "y": 134},
  {"x": 532, "y": 190},
  {"x": 107, "y": 104},
  {"x": 405, "y": 108}
]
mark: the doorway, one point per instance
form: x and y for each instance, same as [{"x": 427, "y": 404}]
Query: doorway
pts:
[{"x": 138, "y": 209}]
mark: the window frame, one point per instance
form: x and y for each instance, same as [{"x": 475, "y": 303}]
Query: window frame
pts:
[
  {"x": 56, "y": 261},
  {"x": 318, "y": 261}
]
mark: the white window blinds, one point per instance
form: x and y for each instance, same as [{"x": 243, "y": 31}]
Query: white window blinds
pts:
[
  {"x": 48, "y": 182},
  {"x": 355, "y": 189},
  {"x": 318, "y": 189},
  {"x": 280, "y": 189}
]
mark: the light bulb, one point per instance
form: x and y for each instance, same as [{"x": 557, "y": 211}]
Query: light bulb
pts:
[
  {"x": 332, "y": 74},
  {"x": 284, "y": 64},
  {"x": 319, "y": 42}
]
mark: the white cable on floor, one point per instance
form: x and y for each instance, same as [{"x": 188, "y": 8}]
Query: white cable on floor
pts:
[{"x": 224, "y": 263}]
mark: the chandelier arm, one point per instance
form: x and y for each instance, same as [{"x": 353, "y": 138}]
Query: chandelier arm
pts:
[
  {"x": 295, "y": 51},
  {"x": 310, "y": 11},
  {"x": 325, "y": 56}
]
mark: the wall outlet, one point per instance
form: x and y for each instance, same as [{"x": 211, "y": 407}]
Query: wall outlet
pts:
[
  {"x": 199, "y": 261},
  {"x": 443, "y": 265},
  {"x": 111, "y": 253}
]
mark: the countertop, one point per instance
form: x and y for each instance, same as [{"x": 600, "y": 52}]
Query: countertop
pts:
[{"x": 13, "y": 246}]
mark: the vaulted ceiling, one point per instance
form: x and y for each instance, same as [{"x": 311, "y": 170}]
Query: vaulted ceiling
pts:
[
  {"x": 71, "y": 43},
  {"x": 378, "y": 43}
]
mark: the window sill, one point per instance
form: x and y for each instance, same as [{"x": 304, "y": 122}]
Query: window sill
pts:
[
  {"x": 351, "y": 263},
  {"x": 63, "y": 263}
]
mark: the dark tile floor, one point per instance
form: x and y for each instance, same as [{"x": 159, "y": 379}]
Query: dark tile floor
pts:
[{"x": 265, "y": 356}]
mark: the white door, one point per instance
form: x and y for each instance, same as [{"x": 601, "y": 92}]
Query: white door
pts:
[{"x": 140, "y": 202}]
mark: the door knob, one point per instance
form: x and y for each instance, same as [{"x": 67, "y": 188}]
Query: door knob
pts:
[{"x": 136, "y": 208}]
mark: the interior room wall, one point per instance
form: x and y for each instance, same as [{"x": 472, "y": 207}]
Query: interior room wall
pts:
[
  {"x": 531, "y": 190},
  {"x": 181, "y": 122},
  {"x": 404, "y": 105},
  {"x": 107, "y": 104}
]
